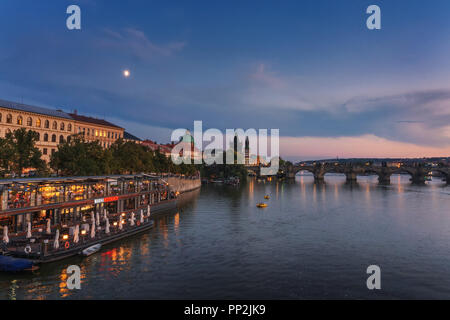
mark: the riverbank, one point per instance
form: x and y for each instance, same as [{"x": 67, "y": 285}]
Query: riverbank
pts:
[{"x": 184, "y": 184}]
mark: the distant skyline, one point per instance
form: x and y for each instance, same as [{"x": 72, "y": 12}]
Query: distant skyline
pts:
[{"x": 310, "y": 68}]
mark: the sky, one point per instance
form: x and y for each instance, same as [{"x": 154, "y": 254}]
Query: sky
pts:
[{"x": 311, "y": 69}]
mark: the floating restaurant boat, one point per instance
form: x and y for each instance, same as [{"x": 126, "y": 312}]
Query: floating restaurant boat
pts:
[{"x": 49, "y": 219}]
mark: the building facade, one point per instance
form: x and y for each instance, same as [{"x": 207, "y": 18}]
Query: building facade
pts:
[{"x": 55, "y": 126}]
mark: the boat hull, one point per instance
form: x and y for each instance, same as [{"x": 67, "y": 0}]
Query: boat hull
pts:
[{"x": 105, "y": 239}]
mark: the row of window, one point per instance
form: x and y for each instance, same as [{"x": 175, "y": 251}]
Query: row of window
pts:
[
  {"x": 98, "y": 133},
  {"x": 53, "y": 138},
  {"x": 19, "y": 121},
  {"x": 45, "y": 151}
]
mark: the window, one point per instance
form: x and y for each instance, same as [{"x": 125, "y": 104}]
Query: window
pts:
[
  {"x": 62, "y": 126},
  {"x": 54, "y": 138},
  {"x": 69, "y": 138},
  {"x": 116, "y": 135},
  {"x": 44, "y": 151},
  {"x": 55, "y": 125},
  {"x": 19, "y": 120},
  {"x": 29, "y": 122},
  {"x": 9, "y": 118},
  {"x": 38, "y": 123},
  {"x": 47, "y": 124},
  {"x": 0, "y": 117},
  {"x": 53, "y": 151},
  {"x": 61, "y": 139},
  {"x": 38, "y": 136},
  {"x": 89, "y": 132},
  {"x": 46, "y": 137},
  {"x": 69, "y": 127}
]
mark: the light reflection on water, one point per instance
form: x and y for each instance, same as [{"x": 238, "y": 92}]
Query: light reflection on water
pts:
[{"x": 313, "y": 241}]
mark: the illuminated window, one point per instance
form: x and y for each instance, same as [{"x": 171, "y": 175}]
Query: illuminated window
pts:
[
  {"x": 19, "y": 120},
  {"x": 62, "y": 126},
  {"x": 38, "y": 123},
  {"x": 29, "y": 122},
  {"x": 69, "y": 127}
]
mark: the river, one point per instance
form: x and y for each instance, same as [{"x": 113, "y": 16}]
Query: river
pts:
[{"x": 312, "y": 241}]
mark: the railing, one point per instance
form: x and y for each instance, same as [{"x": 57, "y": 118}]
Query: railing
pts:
[{"x": 37, "y": 198}]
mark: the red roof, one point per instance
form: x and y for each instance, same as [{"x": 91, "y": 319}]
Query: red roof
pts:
[
  {"x": 93, "y": 120},
  {"x": 163, "y": 148}
]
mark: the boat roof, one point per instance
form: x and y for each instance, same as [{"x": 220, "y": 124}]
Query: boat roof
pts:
[{"x": 75, "y": 179}]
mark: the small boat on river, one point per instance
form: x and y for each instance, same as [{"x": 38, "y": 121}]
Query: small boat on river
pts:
[
  {"x": 10, "y": 264},
  {"x": 262, "y": 205},
  {"x": 91, "y": 250}
]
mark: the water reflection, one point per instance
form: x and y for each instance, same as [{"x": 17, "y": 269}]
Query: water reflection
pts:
[{"x": 312, "y": 241}]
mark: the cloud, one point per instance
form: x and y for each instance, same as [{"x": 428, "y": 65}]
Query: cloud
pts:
[
  {"x": 135, "y": 42},
  {"x": 365, "y": 146}
]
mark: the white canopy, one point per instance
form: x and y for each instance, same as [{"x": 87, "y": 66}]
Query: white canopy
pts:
[
  {"x": 56, "y": 243},
  {"x": 5, "y": 234}
]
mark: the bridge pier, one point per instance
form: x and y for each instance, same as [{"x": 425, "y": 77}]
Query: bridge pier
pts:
[
  {"x": 418, "y": 178},
  {"x": 351, "y": 176},
  {"x": 384, "y": 178},
  {"x": 319, "y": 179}
]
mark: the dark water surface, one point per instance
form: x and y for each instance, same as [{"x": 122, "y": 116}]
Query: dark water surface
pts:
[{"x": 313, "y": 241}]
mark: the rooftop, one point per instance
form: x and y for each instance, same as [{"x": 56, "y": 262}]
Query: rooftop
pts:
[
  {"x": 101, "y": 122},
  {"x": 34, "y": 109},
  {"x": 129, "y": 136}
]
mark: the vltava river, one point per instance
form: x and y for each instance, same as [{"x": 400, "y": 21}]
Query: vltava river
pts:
[{"x": 312, "y": 241}]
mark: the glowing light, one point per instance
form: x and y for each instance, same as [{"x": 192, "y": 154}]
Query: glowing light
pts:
[
  {"x": 126, "y": 73},
  {"x": 65, "y": 237}
]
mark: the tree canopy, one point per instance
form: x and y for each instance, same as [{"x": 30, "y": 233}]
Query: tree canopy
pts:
[
  {"x": 18, "y": 152},
  {"x": 78, "y": 157}
]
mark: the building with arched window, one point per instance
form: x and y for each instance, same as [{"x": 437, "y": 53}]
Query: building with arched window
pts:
[{"x": 57, "y": 127}]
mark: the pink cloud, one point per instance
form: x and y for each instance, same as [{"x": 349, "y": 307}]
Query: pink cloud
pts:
[{"x": 366, "y": 146}]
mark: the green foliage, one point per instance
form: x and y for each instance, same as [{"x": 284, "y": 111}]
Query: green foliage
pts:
[
  {"x": 78, "y": 157},
  {"x": 18, "y": 152}
]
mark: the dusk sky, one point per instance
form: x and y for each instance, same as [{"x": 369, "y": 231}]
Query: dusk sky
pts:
[{"x": 309, "y": 68}]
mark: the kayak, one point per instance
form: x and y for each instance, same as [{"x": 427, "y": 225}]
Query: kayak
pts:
[
  {"x": 91, "y": 250},
  {"x": 10, "y": 264}
]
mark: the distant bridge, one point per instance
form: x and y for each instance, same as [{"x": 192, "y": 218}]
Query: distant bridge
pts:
[{"x": 418, "y": 172}]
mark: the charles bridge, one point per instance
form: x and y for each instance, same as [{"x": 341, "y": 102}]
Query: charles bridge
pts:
[{"x": 417, "y": 171}]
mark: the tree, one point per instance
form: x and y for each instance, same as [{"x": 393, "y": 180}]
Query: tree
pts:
[
  {"x": 79, "y": 158},
  {"x": 18, "y": 152}
]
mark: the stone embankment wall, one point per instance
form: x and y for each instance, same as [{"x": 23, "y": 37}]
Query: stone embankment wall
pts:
[{"x": 183, "y": 184}]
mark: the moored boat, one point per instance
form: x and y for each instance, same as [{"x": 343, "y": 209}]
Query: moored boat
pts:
[
  {"x": 45, "y": 220},
  {"x": 91, "y": 250},
  {"x": 10, "y": 264}
]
